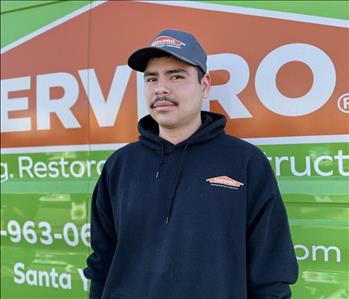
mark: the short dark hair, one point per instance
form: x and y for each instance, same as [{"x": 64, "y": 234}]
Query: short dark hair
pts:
[{"x": 199, "y": 71}]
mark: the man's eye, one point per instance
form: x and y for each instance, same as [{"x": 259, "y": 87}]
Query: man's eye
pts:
[
  {"x": 150, "y": 80},
  {"x": 176, "y": 77}
]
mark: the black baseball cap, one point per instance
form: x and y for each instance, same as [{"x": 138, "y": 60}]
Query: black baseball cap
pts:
[{"x": 179, "y": 44}]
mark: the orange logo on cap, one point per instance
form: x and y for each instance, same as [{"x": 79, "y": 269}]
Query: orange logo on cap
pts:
[
  {"x": 225, "y": 181},
  {"x": 166, "y": 41}
]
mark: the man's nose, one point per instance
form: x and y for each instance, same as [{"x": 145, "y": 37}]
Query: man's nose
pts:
[{"x": 161, "y": 88}]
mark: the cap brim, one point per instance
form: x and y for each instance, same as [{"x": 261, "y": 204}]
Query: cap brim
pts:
[{"x": 139, "y": 59}]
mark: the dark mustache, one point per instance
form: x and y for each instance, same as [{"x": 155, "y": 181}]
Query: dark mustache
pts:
[{"x": 163, "y": 99}]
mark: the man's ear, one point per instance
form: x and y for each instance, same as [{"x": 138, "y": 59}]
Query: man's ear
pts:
[{"x": 206, "y": 84}]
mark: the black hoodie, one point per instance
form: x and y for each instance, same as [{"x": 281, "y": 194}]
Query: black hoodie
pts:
[{"x": 202, "y": 219}]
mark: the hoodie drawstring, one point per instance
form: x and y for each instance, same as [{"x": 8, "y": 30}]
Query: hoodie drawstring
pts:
[
  {"x": 161, "y": 160},
  {"x": 179, "y": 173}
]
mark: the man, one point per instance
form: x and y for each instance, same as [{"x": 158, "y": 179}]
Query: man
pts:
[{"x": 187, "y": 212}]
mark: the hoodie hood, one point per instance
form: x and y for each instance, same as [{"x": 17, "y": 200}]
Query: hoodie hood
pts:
[{"x": 212, "y": 124}]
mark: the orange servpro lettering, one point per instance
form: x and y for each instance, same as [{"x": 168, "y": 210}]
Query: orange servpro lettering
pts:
[{"x": 272, "y": 77}]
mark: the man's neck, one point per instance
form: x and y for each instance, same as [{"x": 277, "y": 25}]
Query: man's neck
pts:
[{"x": 177, "y": 135}]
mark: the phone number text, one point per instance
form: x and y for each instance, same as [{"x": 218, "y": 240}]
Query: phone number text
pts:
[{"x": 41, "y": 232}]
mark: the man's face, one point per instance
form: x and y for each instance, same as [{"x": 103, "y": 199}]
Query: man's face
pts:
[{"x": 173, "y": 93}]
